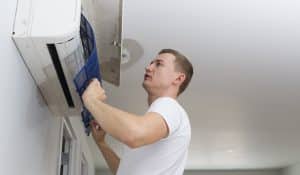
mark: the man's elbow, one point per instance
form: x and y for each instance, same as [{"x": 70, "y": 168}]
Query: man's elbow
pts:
[
  {"x": 134, "y": 139},
  {"x": 132, "y": 144}
]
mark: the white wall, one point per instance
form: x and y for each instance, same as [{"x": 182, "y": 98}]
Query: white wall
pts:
[
  {"x": 29, "y": 133},
  {"x": 292, "y": 170}
]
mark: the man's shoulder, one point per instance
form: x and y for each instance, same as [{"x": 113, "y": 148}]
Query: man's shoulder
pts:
[
  {"x": 165, "y": 103},
  {"x": 166, "y": 100}
]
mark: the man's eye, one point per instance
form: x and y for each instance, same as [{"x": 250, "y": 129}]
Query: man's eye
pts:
[{"x": 158, "y": 64}]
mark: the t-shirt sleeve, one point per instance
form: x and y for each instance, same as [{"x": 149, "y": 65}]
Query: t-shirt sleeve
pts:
[{"x": 169, "y": 110}]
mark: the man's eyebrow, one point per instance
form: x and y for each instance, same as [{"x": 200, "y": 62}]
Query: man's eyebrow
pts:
[
  {"x": 160, "y": 60},
  {"x": 157, "y": 60}
]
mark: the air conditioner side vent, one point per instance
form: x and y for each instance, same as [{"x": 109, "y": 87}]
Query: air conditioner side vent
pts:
[{"x": 60, "y": 74}]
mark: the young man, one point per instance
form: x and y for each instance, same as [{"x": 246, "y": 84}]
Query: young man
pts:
[{"x": 157, "y": 141}]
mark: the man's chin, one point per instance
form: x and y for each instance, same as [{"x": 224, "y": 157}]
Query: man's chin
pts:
[{"x": 145, "y": 85}]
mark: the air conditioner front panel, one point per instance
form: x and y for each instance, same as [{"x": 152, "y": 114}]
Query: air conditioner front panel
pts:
[
  {"x": 55, "y": 19},
  {"x": 38, "y": 60}
]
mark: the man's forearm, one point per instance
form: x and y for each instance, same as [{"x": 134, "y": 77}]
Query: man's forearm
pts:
[
  {"x": 110, "y": 157},
  {"x": 119, "y": 124}
]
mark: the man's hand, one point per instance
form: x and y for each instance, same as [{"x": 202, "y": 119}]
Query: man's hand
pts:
[
  {"x": 93, "y": 91},
  {"x": 111, "y": 158},
  {"x": 97, "y": 132}
]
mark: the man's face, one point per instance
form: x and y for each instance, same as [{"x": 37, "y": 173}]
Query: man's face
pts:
[{"x": 160, "y": 73}]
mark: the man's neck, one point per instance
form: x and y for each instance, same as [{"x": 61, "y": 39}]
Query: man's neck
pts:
[{"x": 152, "y": 98}]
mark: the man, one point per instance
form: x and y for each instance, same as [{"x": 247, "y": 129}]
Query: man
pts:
[{"x": 158, "y": 141}]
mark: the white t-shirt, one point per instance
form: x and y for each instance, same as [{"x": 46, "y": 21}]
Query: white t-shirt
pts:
[{"x": 166, "y": 156}]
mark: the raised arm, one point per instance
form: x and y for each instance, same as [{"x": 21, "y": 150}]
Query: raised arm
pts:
[{"x": 131, "y": 129}]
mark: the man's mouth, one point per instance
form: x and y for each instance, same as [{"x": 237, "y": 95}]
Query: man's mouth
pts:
[{"x": 146, "y": 77}]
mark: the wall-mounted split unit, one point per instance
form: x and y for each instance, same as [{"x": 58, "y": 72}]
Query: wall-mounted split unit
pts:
[{"x": 57, "y": 44}]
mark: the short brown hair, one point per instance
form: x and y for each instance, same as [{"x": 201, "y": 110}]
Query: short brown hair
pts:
[{"x": 182, "y": 64}]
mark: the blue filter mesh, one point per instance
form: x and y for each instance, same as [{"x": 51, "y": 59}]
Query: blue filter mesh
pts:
[{"x": 90, "y": 70}]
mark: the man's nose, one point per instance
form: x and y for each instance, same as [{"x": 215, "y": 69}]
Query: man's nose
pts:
[{"x": 148, "y": 68}]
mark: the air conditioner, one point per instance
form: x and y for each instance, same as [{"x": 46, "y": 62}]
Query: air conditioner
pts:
[{"x": 56, "y": 42}]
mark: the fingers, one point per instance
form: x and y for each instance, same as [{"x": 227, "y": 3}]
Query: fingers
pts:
[
  {"x": 95, "y": 125},
  {"x": 95, "y": 81},
  {"x": 95, "y": 90},
  {"x": 94, "y": 129},
  {"x": 104, "y": 97},
  {"x": 97, "y": 132}
]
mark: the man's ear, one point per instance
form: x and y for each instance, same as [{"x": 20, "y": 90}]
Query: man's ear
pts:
[{"x": 180, "y": 78}]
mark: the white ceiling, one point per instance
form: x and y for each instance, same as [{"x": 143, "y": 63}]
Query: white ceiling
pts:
[{"x": 244, "y": 99}]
